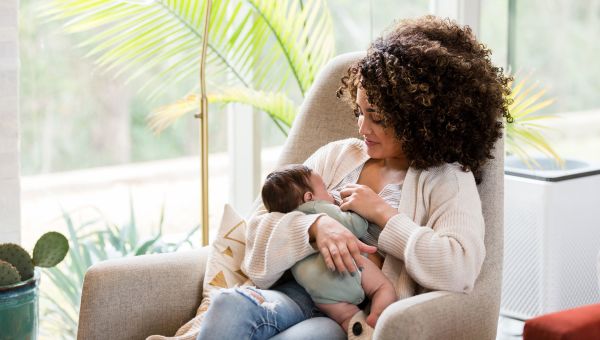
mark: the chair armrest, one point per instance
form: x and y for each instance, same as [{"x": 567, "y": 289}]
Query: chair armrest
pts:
[
  {"x": 134, "y": 297},
  {"x": 438, "y": 315}
]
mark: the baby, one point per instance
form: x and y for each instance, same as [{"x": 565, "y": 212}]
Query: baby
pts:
[{"x": 297, "y": 187}]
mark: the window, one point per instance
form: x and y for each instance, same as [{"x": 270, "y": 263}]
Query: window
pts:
[{"x": 554, "y": 42}]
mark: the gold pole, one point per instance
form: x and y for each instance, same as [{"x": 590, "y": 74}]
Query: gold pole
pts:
[{"x": 203, "y": 115}]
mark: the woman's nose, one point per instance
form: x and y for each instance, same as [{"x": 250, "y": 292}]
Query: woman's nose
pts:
[{"x": 363, "y": 126}]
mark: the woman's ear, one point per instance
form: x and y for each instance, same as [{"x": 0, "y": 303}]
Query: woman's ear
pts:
[{"x": 308, "y": 196}]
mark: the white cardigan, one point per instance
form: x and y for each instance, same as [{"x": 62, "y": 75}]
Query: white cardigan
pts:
[{"x": 436, "y": 241}]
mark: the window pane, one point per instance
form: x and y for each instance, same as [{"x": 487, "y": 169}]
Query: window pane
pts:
[
  {"x": 558, "y": 40},
  {"x": 555, "y": 44},
  {"x": 494, "y": 29},
  {"x": 71, "y": 108},
  {"x": 85, "y": 142},
  {"x": 356, "y": 23}
]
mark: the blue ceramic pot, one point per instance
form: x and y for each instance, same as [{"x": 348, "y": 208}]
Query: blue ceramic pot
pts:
[{"x": 19, "y": 309}]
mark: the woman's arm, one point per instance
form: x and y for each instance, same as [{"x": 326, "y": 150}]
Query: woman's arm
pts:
[
  {"x": 448, "y": 252},
  {"x": 274, "y": 243}
]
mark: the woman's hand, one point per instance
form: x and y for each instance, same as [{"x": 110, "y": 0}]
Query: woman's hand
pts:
[
  {"x": 339, "y": 247},
  {"x": 364, "y": 201}
]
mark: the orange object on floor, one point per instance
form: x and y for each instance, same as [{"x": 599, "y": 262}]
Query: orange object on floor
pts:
[{"x": 573, "y": 324}]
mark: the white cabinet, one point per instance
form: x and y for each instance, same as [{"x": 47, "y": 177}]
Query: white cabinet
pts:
[{"x": 551, "y": 238}]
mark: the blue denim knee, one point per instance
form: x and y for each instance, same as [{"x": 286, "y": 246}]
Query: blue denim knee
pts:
[{"x": 241, "y": 313}]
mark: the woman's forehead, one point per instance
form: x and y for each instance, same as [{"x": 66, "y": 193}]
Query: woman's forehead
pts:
[{"x": 361, "y": 96}]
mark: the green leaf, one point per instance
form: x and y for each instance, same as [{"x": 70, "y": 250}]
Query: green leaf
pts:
[
  {"x": 276, "y": 104},
  {"x": 522, "y": 133},
  {"x": 50, "y": 249},
  {"x": 74, "y": 254},
  {"x": 256, "y": 44}
]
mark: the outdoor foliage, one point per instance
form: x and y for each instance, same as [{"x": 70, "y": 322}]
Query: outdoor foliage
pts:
[
  {"x": 255, "y": 46},
  {"x": 525, "y": 133},
  {"x": 91, "y": 241}
]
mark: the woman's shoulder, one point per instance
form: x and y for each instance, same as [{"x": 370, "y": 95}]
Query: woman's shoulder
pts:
[
  {"x": 448, "y": 182},
  {"x": 449, "y": 175}
]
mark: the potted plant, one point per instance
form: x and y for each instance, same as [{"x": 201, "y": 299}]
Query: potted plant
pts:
[{"x": 19, "y": 283}]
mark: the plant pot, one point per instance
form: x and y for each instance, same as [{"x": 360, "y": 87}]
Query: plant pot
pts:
[{"x": 19, "y": 309}]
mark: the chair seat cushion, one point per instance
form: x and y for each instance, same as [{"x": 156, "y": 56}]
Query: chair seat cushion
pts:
[{"x": 577, "y": 323}]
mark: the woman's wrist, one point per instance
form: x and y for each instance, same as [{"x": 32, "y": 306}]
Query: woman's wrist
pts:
[
  {"x": 384, "y": 215},
  {"x": 312, "y": 230}
]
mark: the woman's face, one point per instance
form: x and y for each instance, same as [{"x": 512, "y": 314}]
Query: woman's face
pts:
[{"x": 381, "y": 141}]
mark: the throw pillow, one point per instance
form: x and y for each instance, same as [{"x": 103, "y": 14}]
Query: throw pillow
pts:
[{"x": 223, "y": 269}]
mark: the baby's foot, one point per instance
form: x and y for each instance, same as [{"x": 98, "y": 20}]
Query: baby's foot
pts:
[{"x": 383, "y": 297}]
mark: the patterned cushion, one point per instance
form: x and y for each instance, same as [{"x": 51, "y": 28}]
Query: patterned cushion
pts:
[{"x": 226, "y": 254}]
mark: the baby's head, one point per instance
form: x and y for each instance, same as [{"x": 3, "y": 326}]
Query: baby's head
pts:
[{"x": 285, "y": 189}]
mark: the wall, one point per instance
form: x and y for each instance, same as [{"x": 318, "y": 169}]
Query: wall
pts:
[{"x": 9, "y": 123}]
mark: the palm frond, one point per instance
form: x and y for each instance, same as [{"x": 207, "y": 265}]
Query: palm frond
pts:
[
  {"x": 162, "y": 38},
  {"x": 523, "y": 133},
  {"x": 166, "y": 115},
  {"x": 292, "y": 23},
  {"x": 276, "y": 104}
]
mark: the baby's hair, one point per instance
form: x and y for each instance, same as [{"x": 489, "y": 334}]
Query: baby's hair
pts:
[{"x": 284, "y": 188}]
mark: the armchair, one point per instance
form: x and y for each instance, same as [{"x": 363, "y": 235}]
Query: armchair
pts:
[{"x": 155, "y": 294}]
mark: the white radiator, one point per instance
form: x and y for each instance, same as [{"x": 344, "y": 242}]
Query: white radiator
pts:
[{"x": 551, "y": 238}]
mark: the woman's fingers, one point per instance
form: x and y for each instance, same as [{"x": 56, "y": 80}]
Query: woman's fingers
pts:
[
  {"x": 355, "y": 253},
  {"x": 327, "y": 258},
  {"x": 346, "y": 192},
  {"x": 347, "y": 258},
  {"x": 337, "y": 259},
  {"x": 338, "y": 246},
  {"x": 365, "y": 248},
  {"x": 345, "y": 205}
]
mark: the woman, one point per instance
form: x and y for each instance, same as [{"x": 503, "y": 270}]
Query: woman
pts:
[{"x": 428, "y": 103}]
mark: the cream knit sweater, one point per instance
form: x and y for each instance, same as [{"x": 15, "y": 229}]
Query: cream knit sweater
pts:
[{"x": 435, "y": 242}]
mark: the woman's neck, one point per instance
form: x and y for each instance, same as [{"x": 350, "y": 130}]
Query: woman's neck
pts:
[
  {"x": 379, "y": 172},
  {"x": 397, "y": 164},
  {"x": 392, "y": 164}
]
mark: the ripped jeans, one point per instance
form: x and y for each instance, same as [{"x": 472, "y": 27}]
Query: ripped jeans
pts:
[{"x": 282, "y": 313}]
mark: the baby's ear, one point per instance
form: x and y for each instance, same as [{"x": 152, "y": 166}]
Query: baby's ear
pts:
[{"x": 308, "y": 196}]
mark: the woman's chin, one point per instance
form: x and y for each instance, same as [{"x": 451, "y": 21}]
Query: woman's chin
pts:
[{"x": 373, "y": 153}]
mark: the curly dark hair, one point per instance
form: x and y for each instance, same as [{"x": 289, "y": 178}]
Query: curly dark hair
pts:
[
  {"x": 435, "y": 85},
  {"x": 284, "y": 188}
]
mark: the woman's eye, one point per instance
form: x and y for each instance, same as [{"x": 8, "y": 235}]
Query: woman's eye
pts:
[
  {"x": 377, "y": 121},
  {"x": 357, "y": 112}
]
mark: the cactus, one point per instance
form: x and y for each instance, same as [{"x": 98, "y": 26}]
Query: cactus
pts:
[
  {"x": 16, "y": 265},
  {"x": 19, "y": 258},
  {"x": 50, "y": 249},
  {"x": 8, "y": 274}
]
